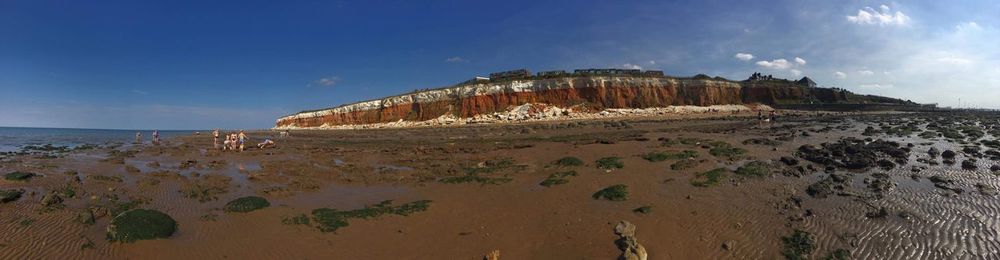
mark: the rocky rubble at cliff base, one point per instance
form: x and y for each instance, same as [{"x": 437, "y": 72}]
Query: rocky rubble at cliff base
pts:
[{"x": 533, "y": 112}]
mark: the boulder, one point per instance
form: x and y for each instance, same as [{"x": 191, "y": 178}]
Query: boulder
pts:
[
  {"x": 140, "y": 224},
  {"x": 10, "y": 195},
  {"x": 246, "y": 204},
  {"x": 51, "y": 199},
  {"x": 627, "y": 243}
]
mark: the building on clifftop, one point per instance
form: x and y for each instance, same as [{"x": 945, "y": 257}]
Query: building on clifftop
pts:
[{"x": 806, "y": 82}]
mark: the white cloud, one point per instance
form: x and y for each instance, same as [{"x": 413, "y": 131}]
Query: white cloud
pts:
[
  {"x": 779, "y": 64},
  {"x": 325, "y": 82},
  {"x": 968, "y": 26},
  {"x": 140, "y": 92},
  {"x": 866, "y": 72},
  {"x": 743, "y": 56},
  {"x": 455, "y": 59},
  {"x": 795, "y": 72},
  {"x": 839, "y": 75},
  {"x": 882, "y": 17},
  {"x": 631, "y": 66},
  {"x": 875, "y": 86},
  {"x": 800, "y": 61},
  {"x": 954, "y": 60},
  {"x": 652, "y": 62}
]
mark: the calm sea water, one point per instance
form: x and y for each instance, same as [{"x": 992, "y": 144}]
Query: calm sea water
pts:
[{"x": 13, "y": 138}]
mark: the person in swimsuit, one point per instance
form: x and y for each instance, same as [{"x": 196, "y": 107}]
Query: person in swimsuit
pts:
[
  {"x": 138, "y": 137},
  {"x": 266, "y": 143},
  {"x": 215, "y": 138},
  {"x": 242, "y": 140}
]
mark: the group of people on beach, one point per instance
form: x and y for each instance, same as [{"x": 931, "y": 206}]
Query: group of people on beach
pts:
[
  {"x": 156, "y": 137},
  {"x": 237, "y": 141}
]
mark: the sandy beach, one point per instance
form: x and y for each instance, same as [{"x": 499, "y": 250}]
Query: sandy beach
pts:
[{"x": 699, "y": 188}]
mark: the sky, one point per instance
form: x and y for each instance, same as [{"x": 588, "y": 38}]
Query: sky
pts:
[{"x": 242, "y": 64}]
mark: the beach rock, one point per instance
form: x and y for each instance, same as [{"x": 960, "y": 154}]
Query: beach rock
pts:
[
  {"x": 86, "y": 217},
  {"x": 728, "y": 245},
  {"x": 948, "y": 154},
  {"x": 140, "y": 224},
  {"x": 853, "y": 153},
  {"x": 995, "y": 168},
  {"x": 51, "y": 199},
  {"x": 789, "y": 161},
  {"x": 880, "y": 183},
  {"x": 986, "y": 189},
  {"x": 10, "y": 195},
  {"x": 832, "y": 184},
  {"x": 627, "y": 243},
  {"x": 942, "y": 182},
  {"x": 246, "y": 204},
  {"x": 493, "y": 255},
  {"x": 969, "y": 164},
  {"x": 188, "y": 164},
  {"x": 933, "y": 152}
]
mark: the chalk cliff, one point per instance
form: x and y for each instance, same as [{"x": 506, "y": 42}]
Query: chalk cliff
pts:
[{"x": 589, "y": 93}]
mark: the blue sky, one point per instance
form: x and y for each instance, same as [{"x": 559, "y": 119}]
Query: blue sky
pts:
[{"x": 241, "y": 64}]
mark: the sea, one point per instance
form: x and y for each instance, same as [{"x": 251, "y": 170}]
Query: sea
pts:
[{"x": 13, "y": 138}]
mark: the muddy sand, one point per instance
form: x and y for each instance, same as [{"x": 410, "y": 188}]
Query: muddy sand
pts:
[{"x": 877, "y": 186}]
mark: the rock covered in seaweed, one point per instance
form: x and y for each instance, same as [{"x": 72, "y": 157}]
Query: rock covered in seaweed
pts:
[
  {"x": 140, "y": 224},
  {"x": 246, "y": 204}
]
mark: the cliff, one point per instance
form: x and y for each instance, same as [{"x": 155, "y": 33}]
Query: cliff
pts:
[{"x": 585, "y": 94}]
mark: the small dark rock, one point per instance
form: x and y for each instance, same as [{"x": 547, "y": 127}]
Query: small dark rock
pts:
[
  {"x": 789, "y": 161},
  {"x": 51, "y": 199},
  {"x": 969, "y": 164}
]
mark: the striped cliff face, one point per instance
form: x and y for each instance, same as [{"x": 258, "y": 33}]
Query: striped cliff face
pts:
[{"x": 595, "y": 92}]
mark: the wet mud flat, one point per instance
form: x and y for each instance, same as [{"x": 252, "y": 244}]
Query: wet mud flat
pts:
[{"x": 861, "y": 186}]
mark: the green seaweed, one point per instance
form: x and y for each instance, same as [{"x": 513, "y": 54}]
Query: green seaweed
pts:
[
  {"x": 474, "y": 174},
  {"x": 569, "y": 161},
  {"x": 725, "y": 150},
  {"x": 613, "y": 193},
  {"x": 203, "y": 193},
  {"x": 329, "y": 220},
  {"x": 105, "y": 178},
  {"x": 19, "y": 176},
  {"x": 754, "y": 169},
  {"x": 663, "y": 156},
  {"x": 558, "y": 178},
  {"x": 10, "y": 195},
  {"x": 839, "y": 254},
  {"x": 798, "y": 246},
  {"x": 709, "y": 178},
  {"x": 300, "y": 219},
  {"x": 140, "y": 224},
  {"x": 609, "y": 163},
  {"x": 246, "y": 204},
  {"x": 683, "y": 164}
]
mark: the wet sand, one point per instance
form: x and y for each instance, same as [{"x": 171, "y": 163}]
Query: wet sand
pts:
[{"x": 741, "y": 216}]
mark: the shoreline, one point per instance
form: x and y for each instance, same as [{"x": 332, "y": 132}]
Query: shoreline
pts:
[{"x": 711, "y": 182}]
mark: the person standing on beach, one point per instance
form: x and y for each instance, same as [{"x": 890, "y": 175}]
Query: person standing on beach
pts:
[
  {"x": 242, "y": 140},
  {"x": 138, "y": 137},
  {"x": 156, "y": 136},
  {"x": 215, "y": 138}
]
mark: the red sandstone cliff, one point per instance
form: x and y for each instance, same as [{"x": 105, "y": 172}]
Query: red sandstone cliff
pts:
[{"x": 593, "y": 92}]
